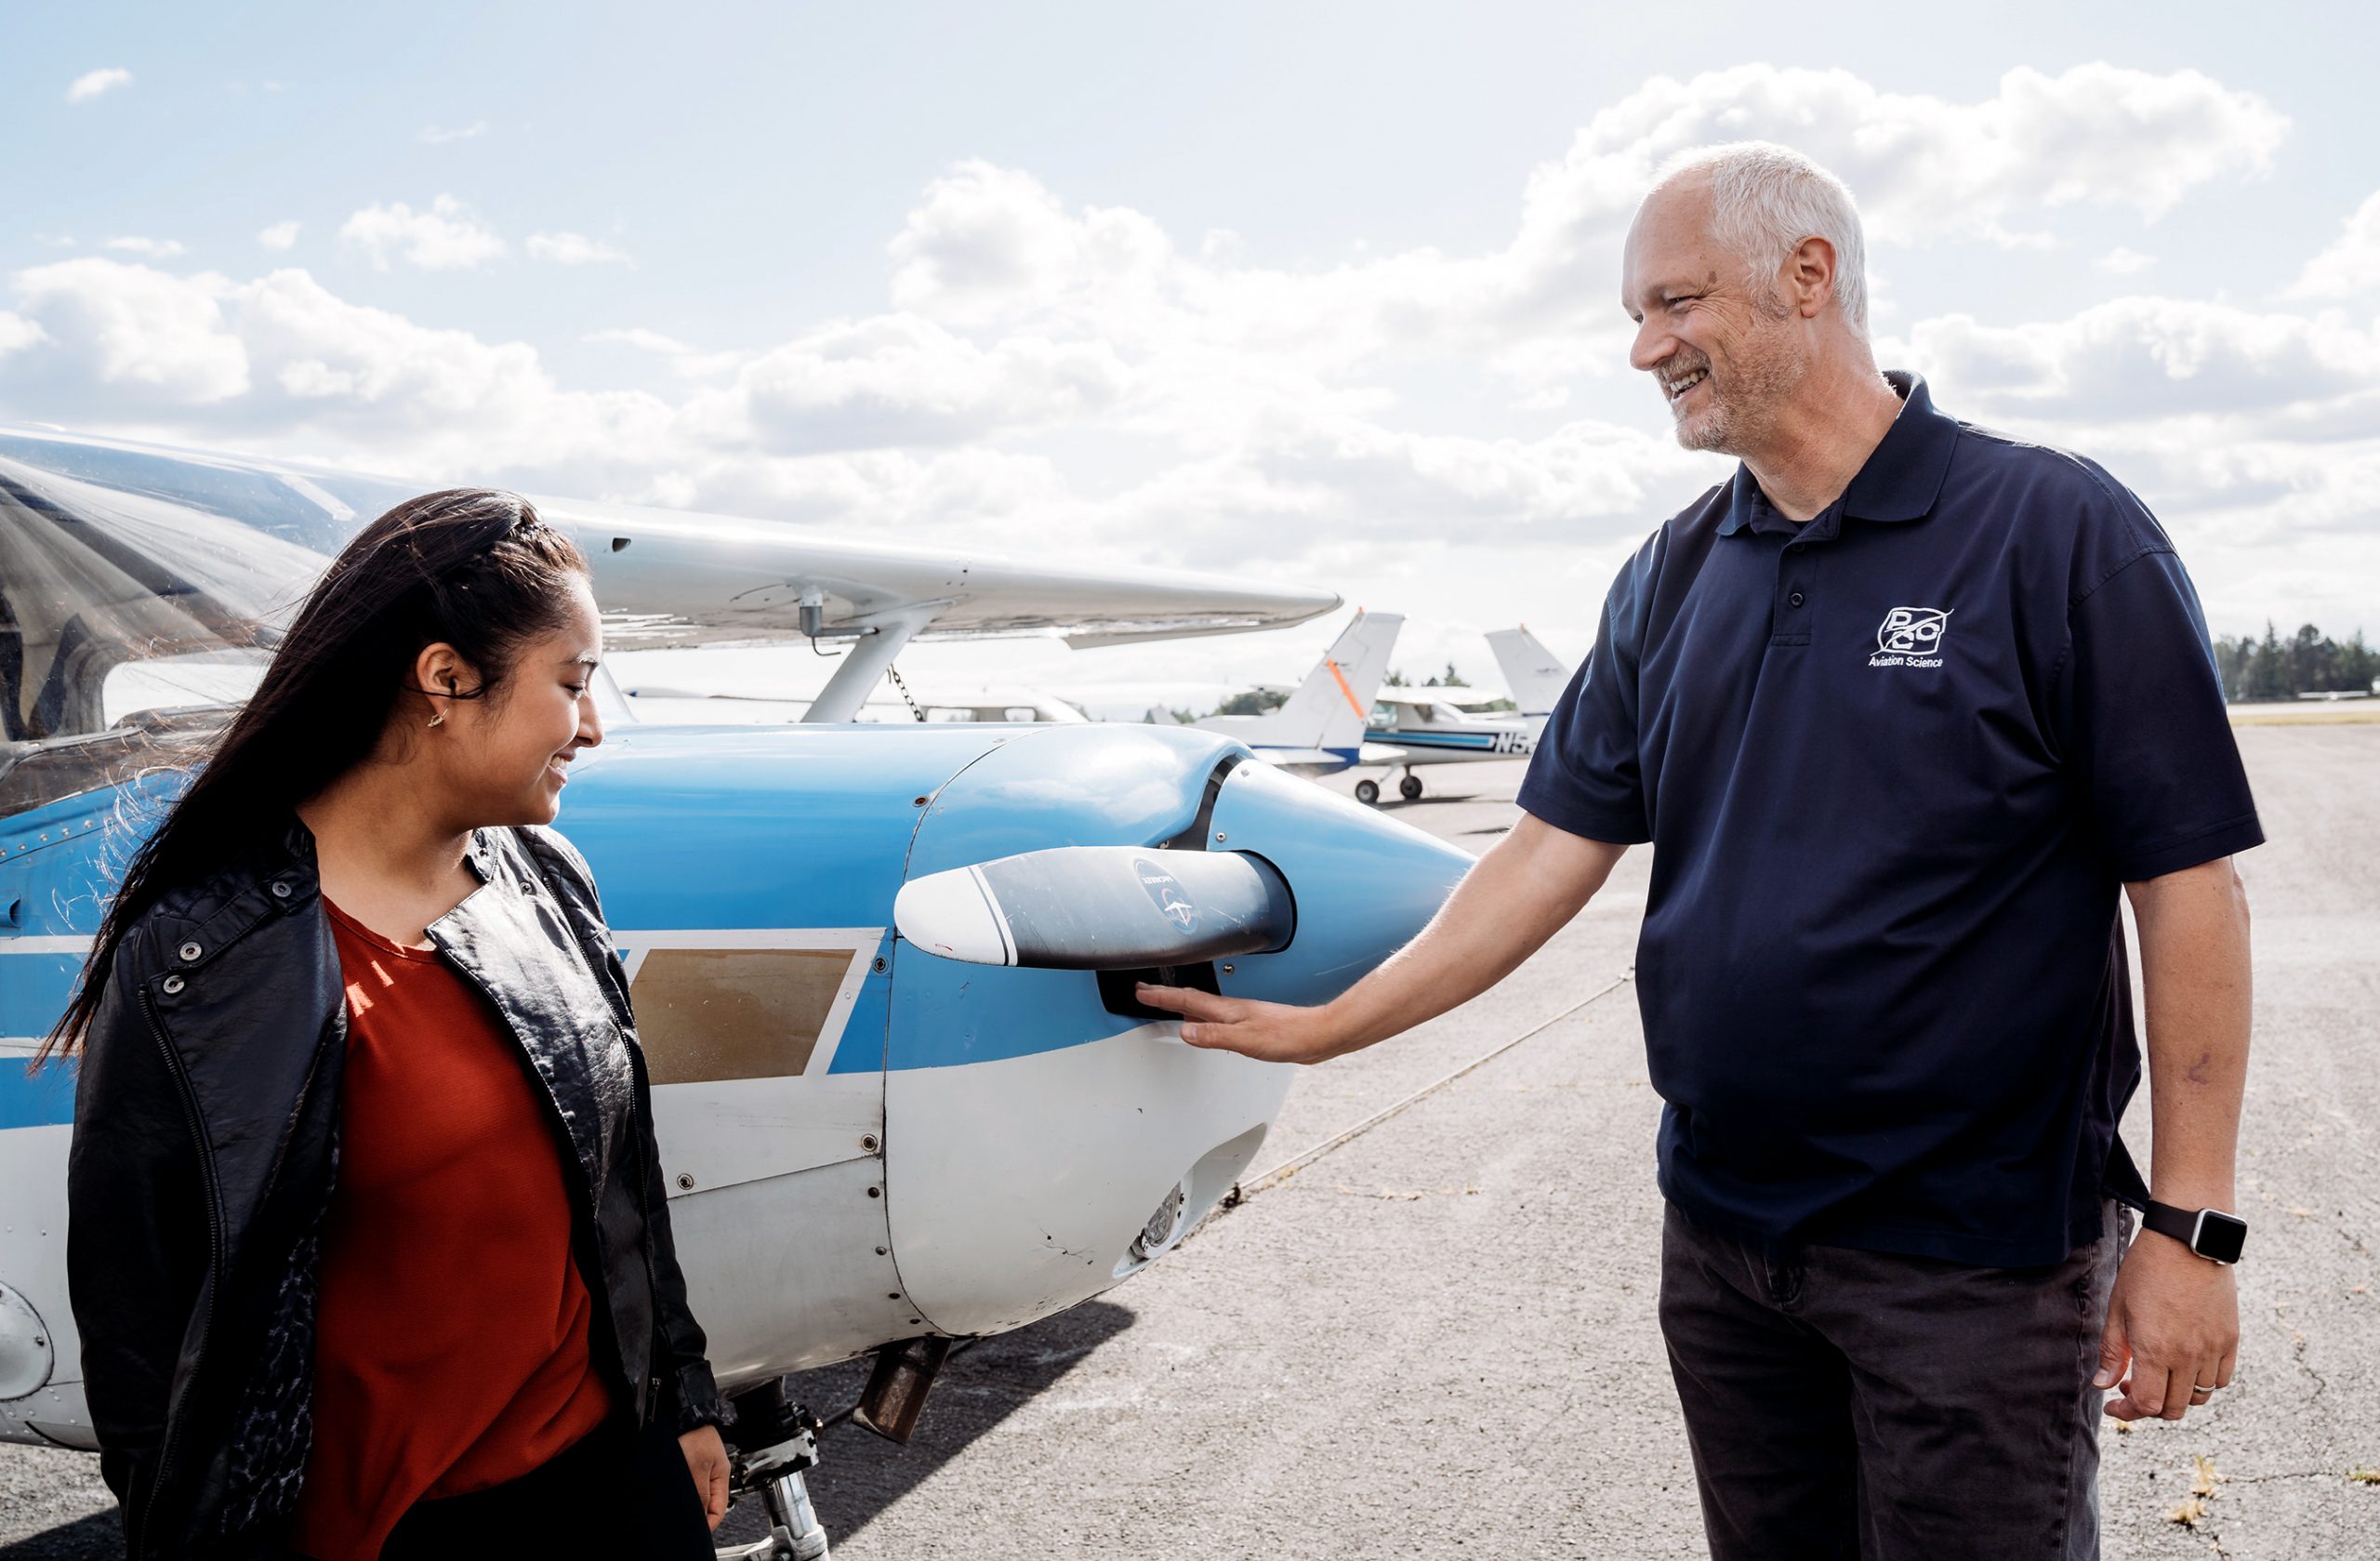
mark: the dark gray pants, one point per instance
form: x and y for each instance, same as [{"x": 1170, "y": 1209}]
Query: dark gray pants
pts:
[{"x": 1870, "y": 1408}]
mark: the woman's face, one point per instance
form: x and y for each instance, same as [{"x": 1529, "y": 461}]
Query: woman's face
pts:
[{"x": 505, "y": 759}]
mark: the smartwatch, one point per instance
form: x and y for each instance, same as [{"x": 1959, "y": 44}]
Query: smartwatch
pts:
[{"x": 2210, "y": 1233}]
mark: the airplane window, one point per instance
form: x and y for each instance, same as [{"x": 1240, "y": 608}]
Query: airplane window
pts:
[
  {"x": 1383, "y": 717},
  {"x": 1019, "y": 713},
  {"x": 713, "y": 1013},
  {"x": 180, "y": 683},
  {"x": 1446, "y": 715},
  {"x": 123, "y": 607}
]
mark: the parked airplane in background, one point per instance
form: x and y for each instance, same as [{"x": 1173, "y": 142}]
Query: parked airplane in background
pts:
[
  {"x": 1319, "y": 730},
  {"x": 1413, "y": 727},
  {"x": 869, "y": 1144},
  {"x": 1536, "y": 675}
]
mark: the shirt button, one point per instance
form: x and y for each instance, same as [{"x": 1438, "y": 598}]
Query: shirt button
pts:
[{"x": 1796, "y": 599}]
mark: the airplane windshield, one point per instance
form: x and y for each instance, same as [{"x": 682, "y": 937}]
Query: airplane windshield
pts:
[{"x": 140, "y": 594}]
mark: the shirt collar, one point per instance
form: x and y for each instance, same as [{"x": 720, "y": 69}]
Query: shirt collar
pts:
[{"x": 1902, "y": 477}]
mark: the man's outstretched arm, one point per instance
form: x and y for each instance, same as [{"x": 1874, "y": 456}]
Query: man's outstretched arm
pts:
[
  {"x": 2174, "y": 1317},
  {"x": 1525, "y": 890}
]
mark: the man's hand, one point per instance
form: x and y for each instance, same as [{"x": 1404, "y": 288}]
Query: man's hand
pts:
[
  {"x": 707, "y": 1460},
  {"x": 1520, "y": 893},
  {"x": 2175, "y": 1318},
  {"x": 1269, "y": 1032}
]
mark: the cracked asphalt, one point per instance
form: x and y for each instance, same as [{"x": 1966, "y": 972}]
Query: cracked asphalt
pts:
[{"x": 1440, "y": 1336}]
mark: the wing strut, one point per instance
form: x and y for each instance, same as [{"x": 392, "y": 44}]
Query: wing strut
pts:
[{"x": 879, "y": 640}]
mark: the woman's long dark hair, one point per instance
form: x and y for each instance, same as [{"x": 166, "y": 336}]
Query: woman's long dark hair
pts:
[{"x": 472, "y": 567}]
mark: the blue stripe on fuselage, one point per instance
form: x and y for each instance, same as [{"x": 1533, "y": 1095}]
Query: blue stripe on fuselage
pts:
[{"x": 1465, "y": 740}]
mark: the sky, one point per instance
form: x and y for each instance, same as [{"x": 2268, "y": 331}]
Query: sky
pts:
[{"x": 1324, "y": 294}]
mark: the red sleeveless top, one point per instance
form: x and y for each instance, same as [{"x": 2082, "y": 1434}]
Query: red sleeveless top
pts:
[{"x": 451, "y": 1347}]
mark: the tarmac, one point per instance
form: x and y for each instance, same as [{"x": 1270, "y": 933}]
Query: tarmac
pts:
[{"x": 1439, "y": 1334}]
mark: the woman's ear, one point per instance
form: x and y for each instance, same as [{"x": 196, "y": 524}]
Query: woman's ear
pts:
[{"x": 442, "y": 675}]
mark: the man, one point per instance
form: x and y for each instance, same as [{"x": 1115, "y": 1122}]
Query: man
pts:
[{"x": 1901, "y": 706}]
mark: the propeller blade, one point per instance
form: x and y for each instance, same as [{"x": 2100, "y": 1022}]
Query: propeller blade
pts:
[{"x": 1099, "y": 907}]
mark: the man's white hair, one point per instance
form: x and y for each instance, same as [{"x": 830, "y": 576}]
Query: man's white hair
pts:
[{"x": 1765, "y": 200}]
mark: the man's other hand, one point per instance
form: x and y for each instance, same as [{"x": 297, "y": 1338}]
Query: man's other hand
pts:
[
  {"x": 2175, "y": 1319},
  {"x": 1269, "y": 1032}
]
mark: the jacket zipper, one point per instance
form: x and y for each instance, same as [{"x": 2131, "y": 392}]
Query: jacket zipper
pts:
[{"x": 215, "y": 1248}]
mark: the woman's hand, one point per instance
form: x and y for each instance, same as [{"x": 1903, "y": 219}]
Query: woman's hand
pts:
[{"x": 707, "y": 1460}]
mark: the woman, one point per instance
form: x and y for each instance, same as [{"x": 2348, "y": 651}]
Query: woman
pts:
[{"x": 368, "y": 1244}]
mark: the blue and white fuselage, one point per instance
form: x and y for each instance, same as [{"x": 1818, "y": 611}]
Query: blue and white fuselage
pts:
[{"x": 863, "y": 1140}]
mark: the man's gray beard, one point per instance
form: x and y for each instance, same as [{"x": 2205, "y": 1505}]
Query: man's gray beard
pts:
[
  {"x": 1721, "y": 429},
  {"x": 1711, "y": 432}
]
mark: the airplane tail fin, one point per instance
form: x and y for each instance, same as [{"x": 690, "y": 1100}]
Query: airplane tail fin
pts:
[
  {"x": 1328, "y": 711},
  {"x": 1536, "y": 674}
]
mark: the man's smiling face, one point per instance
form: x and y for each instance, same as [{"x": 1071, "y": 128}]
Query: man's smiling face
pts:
[{"x": 1724, "y": 353}]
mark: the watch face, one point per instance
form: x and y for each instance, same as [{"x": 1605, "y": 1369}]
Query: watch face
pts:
[{"x": 2220, "y": 1235}]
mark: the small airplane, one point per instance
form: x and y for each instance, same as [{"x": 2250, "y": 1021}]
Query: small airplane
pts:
[
  {"x": 883, "y": 974},
  {"x": 1413, "y": 727},
  {"x": 1319, "y": 729},
  {"x": 1536, "y": 675}
]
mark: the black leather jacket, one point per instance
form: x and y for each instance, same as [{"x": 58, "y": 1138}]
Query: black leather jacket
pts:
[{"x": 206, "y": 1148}]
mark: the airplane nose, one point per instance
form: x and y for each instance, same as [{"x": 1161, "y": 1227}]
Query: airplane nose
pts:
[
  {"x": 1364, "y": 883},
  {"x": 1300, "y": 891}
]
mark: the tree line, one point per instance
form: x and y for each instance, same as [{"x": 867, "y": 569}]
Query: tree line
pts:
[{"x": 2307, "y": 662}]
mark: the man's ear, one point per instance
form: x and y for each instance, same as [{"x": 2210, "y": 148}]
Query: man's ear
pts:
[{"x": 1809, "y": 276}]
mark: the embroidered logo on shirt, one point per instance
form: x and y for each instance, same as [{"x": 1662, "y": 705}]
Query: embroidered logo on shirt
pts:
[{"x": 1910, "y": 637}]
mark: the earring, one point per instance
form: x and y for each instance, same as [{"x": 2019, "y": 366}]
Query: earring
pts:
[{"x": 438, "y": 720}]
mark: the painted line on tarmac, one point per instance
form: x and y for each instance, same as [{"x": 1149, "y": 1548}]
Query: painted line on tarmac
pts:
[{"x": 1242, "y": 1192}]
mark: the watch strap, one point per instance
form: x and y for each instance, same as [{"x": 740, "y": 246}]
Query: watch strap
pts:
[
  {"x": 2182, "y": 1224},
  {"x": 2166, "y": 1219}
]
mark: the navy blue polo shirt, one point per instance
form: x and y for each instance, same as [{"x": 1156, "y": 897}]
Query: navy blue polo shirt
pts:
[{"x": 1897, "y": 763}]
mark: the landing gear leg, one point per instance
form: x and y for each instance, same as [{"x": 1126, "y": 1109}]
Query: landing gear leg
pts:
[
  {"x": 776, "y": 1440},
  {"x": 1410, "y": 788}
]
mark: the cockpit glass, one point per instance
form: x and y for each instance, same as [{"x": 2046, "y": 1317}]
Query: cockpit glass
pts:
[{"x": 140, "y": 594}]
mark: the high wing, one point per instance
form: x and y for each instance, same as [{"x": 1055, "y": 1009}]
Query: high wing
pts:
[{"x": 224, "y": 537}]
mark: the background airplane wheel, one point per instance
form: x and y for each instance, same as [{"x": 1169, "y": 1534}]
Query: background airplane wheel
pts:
[
  {"x": 1368, "y": 792},
  {"x": 1409, "y": 788}
]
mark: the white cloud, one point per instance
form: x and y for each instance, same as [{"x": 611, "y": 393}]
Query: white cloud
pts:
[
  {"x": 92, "y": 83},
  {"x": 992, "y": 245},
  {"x": 430, "y": 134},
  {"x": 2351, "y": 265},
  {"x": 898, "y": 380},
  {"x": 443, "y": 238},
  {"x": 154, "y": 249},
  {"x": 575, "y": 250},
  {"x": 2121, "y": 261},
  {"x": 1079, "y": 381},
  {"x": 17, "y": 333},
  {"x": 2148, "y": 358},
  {"x": 639, "y": 338},
  {"x": 160, "y": 341},
  {"x": 279, "y": 236}
]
